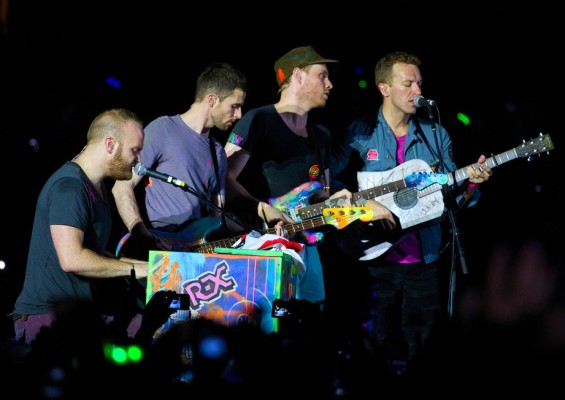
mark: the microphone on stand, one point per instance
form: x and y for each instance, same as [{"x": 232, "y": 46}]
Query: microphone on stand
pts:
[
  {"x": 142, "y": 170},
  {"x": 420, "y": 101}
]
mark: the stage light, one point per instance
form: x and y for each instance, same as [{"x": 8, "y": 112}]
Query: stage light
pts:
[
  {"x": 362, "y": 83},
  {"x": 123, "y": 354},
  {"x": 114, "y": 82},
  {"x": 34, "y": 144},
  {"x": 464, "y": 118}
]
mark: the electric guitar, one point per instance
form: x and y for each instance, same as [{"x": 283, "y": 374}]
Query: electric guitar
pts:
[{"x": 185, "y": 239}]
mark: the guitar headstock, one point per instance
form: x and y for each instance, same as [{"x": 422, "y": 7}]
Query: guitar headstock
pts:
[
  {"x": 343, "y": 216},
  {"x": 539, "y": 145}
]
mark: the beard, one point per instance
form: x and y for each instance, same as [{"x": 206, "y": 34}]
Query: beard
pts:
[{"x": 119, "y": 169}]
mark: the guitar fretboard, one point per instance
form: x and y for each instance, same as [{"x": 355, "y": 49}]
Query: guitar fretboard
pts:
[
  {"x": 379, "y": 191},
  {"x": 494, "y": 161},
  {"x": 291, "y": 228},
  {"x": 334, "y": 216},
  {"x": 315, "y": 210},
  {"x": 536, "y": 146}
]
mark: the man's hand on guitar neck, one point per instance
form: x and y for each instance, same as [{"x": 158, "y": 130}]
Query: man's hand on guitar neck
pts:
[
  {"x": 343, "y": 197},
  {"x": 477, "y": 173},
  {"x": 281, "y": 230},
  {"x": 480, "y": 172},
  {"x": 271, "y": 215},
  {"x": 381, "y": 214}
]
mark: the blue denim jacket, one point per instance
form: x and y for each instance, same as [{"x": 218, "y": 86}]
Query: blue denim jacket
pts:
[{"x": 369, "y": 145}]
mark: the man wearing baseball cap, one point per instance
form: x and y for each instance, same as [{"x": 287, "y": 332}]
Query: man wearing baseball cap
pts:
[
  {"x": 275, "y": 148},
  {"x": 299, "y": 57}
]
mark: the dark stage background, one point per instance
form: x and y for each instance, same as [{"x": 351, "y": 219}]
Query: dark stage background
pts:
[{"x": 62, "y": 63}]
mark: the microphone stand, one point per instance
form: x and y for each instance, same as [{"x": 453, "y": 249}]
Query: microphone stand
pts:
[
  {"x": 141, "y": 170},
  {"x": 457, "y": 249}
]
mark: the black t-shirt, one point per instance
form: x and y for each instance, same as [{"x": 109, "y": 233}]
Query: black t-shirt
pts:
[
  {"x": 68, "y": 198},
  {"x": 280, "y": 160}
]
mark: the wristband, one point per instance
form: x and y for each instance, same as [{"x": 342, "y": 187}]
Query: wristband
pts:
[{"x": 473, "y": 186}]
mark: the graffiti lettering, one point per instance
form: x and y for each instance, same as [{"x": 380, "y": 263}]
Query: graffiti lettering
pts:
[{"x": 209, "y": 286}]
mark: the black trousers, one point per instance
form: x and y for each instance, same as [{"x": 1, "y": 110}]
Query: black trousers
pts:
[{"x": 403, "y": 307}]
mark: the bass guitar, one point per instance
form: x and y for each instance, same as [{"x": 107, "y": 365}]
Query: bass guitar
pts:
[{"x": 184, "y": 240}]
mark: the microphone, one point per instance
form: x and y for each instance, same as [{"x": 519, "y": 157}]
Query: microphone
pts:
[
  {"x": 142, "y": 170},
  {"x": 420, "y": 101}
]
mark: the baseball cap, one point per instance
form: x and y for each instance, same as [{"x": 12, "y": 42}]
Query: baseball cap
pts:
[{"x": 298, "y": 57}]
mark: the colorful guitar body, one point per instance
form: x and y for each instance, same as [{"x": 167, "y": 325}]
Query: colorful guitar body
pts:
[{"x": 290, "y": 203}]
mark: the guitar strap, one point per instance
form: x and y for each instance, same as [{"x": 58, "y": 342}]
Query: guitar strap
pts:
[
  {"x": 214, "y": 159},
  {"x": 216, "y": 169},
  {"x": 420, "y": 133}
]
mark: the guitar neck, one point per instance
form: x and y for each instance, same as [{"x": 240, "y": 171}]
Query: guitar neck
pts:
[
  {"x": 536, "y": 146},
  {"x": 210, "y": 246},
  {"x": 494, "y": 161},
  {"x": 290, "y": 228},
  {"x": 379, "y": 191},
  {"x": 317, "y": 209}
]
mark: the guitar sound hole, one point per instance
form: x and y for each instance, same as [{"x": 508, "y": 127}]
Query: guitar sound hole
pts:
[{"x": 406, "y": 198}]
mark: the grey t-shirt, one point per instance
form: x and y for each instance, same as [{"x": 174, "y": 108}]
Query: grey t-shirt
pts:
[{"x": 171, "y": 147}]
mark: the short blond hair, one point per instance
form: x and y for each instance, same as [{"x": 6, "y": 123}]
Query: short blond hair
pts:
[
  {"x": 383, "y": 69},
  {"x": 110, "y": 122}
]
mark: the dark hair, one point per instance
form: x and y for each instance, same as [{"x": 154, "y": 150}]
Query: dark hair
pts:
[
  {"x": 221, "y": 79},
  {"x": 383, "y": 69}
]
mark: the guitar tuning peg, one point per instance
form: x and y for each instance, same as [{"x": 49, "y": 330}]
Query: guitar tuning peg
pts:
[
  {"x": 340, "y": 202},
  {"x": 362, "y": 201}
]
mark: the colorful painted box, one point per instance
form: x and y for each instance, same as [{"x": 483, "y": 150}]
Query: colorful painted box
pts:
[{"x": 232, "y": 287}]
